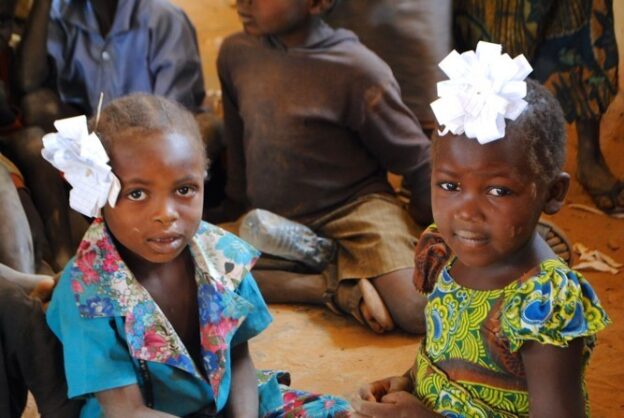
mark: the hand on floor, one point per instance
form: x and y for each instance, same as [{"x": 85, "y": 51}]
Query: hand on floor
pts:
[{"x": 393, "y": 405}]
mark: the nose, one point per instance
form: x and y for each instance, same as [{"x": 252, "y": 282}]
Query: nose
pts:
[
  {"x": 469, "y": 208},
  {"x": 166, "y": 212},
  {"x": 244, "y": 2}
]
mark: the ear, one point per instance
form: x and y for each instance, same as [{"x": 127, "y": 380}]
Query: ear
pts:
[
  {"x": 556, "y": 193},
  {"x": 319, "y": 7}
]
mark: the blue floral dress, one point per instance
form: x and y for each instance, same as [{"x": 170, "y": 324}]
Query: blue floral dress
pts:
[{"x": 114, "y": 334}]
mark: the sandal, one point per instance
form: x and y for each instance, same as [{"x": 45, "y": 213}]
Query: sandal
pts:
[
  {"x": 363, "y": 302},
  {"x": 557, "y": 240}
]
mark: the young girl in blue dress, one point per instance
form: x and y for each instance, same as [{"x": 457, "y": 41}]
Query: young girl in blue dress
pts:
[
  {"x": 156, "y": 309},
  {"x": 510, "y": 326}
]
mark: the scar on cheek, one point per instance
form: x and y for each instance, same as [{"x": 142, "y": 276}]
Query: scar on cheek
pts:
[{"x": 514, "y": 231}]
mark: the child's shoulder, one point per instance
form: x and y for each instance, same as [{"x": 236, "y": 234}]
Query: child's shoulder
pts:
[
  {"x": 553, "y": 306},
  {"x": 222, "y": 255},
  {"x": 237, "y": 41}
]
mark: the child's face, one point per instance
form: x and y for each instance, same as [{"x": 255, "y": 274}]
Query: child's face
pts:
[
  {"x": 486, "y": 200},
  {"x": 160, "y": 204},
  {"x": 272, "y": 17}
]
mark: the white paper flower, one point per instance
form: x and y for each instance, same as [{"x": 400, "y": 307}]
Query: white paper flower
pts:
[
  {"x": 84, "y": 162},
  {"x": 483, "y": 89}
]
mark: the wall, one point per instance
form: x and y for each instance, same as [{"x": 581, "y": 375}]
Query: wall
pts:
[{"x": 213, "y": 19}]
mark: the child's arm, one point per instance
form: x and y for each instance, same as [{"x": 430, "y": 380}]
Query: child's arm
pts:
[
  {"x": 125, "y": 402},
  {"x": 32, "y": 66},
  {"x": 243, "y": 400},
  {"x": 554, "y": 379}
]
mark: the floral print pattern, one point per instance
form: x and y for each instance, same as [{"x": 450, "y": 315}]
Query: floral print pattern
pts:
[{"x": 103, "y": 286}]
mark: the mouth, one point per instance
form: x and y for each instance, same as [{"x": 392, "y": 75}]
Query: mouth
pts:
[
  {"x": 165, "y": 243},
  {"x": 471, "y": 238},
  {"x": 245, "y": 18}
]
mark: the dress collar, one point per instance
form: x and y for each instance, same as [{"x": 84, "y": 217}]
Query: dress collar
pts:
[
  {"x": 104, "y": 286},
  {"x": 80, "y": 13}
]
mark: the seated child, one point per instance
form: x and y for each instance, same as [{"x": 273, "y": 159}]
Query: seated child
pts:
[
  {"x": 313, "y": 121},
  {"x": 155, "y": 310},
  {"x": 30, "y": 356},
  {"x": 510, "y": 326}
]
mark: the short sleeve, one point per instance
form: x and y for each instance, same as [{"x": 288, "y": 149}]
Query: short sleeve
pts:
[
  {"x": 95, "y": 356},
  {"x": 431, "y": 255},
  {"x": 259, "y": 316},
  {"x": 553, "y": 307}
]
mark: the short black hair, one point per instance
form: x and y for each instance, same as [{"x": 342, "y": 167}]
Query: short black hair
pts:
[
  {"x": 542, "y": 126},
  {"x": 143, "y": 113}
]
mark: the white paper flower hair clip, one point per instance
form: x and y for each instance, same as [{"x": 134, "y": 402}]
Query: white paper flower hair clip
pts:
[
  {"x": 483, "y": 89},
  {"x": 84, "y": 162}
]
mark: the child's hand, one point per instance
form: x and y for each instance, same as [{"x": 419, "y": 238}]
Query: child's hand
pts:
[
  {"x": 43, "y": 290},
  {"x": 394, "y": 405},
  {"x": 373, "y": 392}
]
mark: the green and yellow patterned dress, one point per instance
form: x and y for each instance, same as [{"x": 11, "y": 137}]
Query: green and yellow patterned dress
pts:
[{"x": 470, "y": 365}]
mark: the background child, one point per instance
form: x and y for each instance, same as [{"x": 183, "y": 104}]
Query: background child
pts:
[
  {"x": 572, "y": 46},
  {"x": 509, "y": 326},
  {"x": 313, "y": 121},
  {"x": 155, "y": 311}
]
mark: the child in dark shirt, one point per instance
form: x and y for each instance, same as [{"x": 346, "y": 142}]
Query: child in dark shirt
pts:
[{"x": 313, "y": 123}]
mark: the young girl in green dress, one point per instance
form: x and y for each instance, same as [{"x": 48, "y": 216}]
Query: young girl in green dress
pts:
[{"x": 509, "y": 325}]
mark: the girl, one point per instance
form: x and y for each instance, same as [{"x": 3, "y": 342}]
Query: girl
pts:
[
  {"x": 155, "y": 310},
  {"x": 509, "y": 326}
]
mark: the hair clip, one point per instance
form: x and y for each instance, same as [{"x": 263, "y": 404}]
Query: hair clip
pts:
[
  {"x": 84, "y": 163},
  {"x": 483, "y": 89}
]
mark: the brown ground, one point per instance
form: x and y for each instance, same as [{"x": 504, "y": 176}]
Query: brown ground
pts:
[{"x": 332, "y": 354}]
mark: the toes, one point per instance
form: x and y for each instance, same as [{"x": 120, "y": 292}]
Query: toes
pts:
[
  {"x": 375, "y": 305},
  {"x": 370, "y": 319}
]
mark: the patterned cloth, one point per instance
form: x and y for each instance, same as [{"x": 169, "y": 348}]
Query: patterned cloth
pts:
[
  {"x": 571, "y": 45},
  {"x": 16, "y": 174},
  {"x": 470, "y": 364},
  {"x": 108, "y": 324}
]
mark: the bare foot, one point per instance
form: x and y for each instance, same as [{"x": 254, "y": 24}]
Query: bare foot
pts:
[
  {"x": 360, "y": 299},
  {"x": 605, "y": 189}
]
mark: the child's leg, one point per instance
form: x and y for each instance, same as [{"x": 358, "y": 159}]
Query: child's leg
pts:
[
  {"x": 16, "y": 248},
  {"x": 376, "y": 241},
  {"x": 405, "y": 303},
  {"x": 289, "y": 287},
  {"x": 30, "y": 359}
]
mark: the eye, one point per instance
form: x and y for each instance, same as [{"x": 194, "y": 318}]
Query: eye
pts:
[
  {"x": 448, "y": 186},
  {"x": 136, "y": 195},
  {"x": 187, "y": 191},
  {"x": 499, "y": 191}
]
